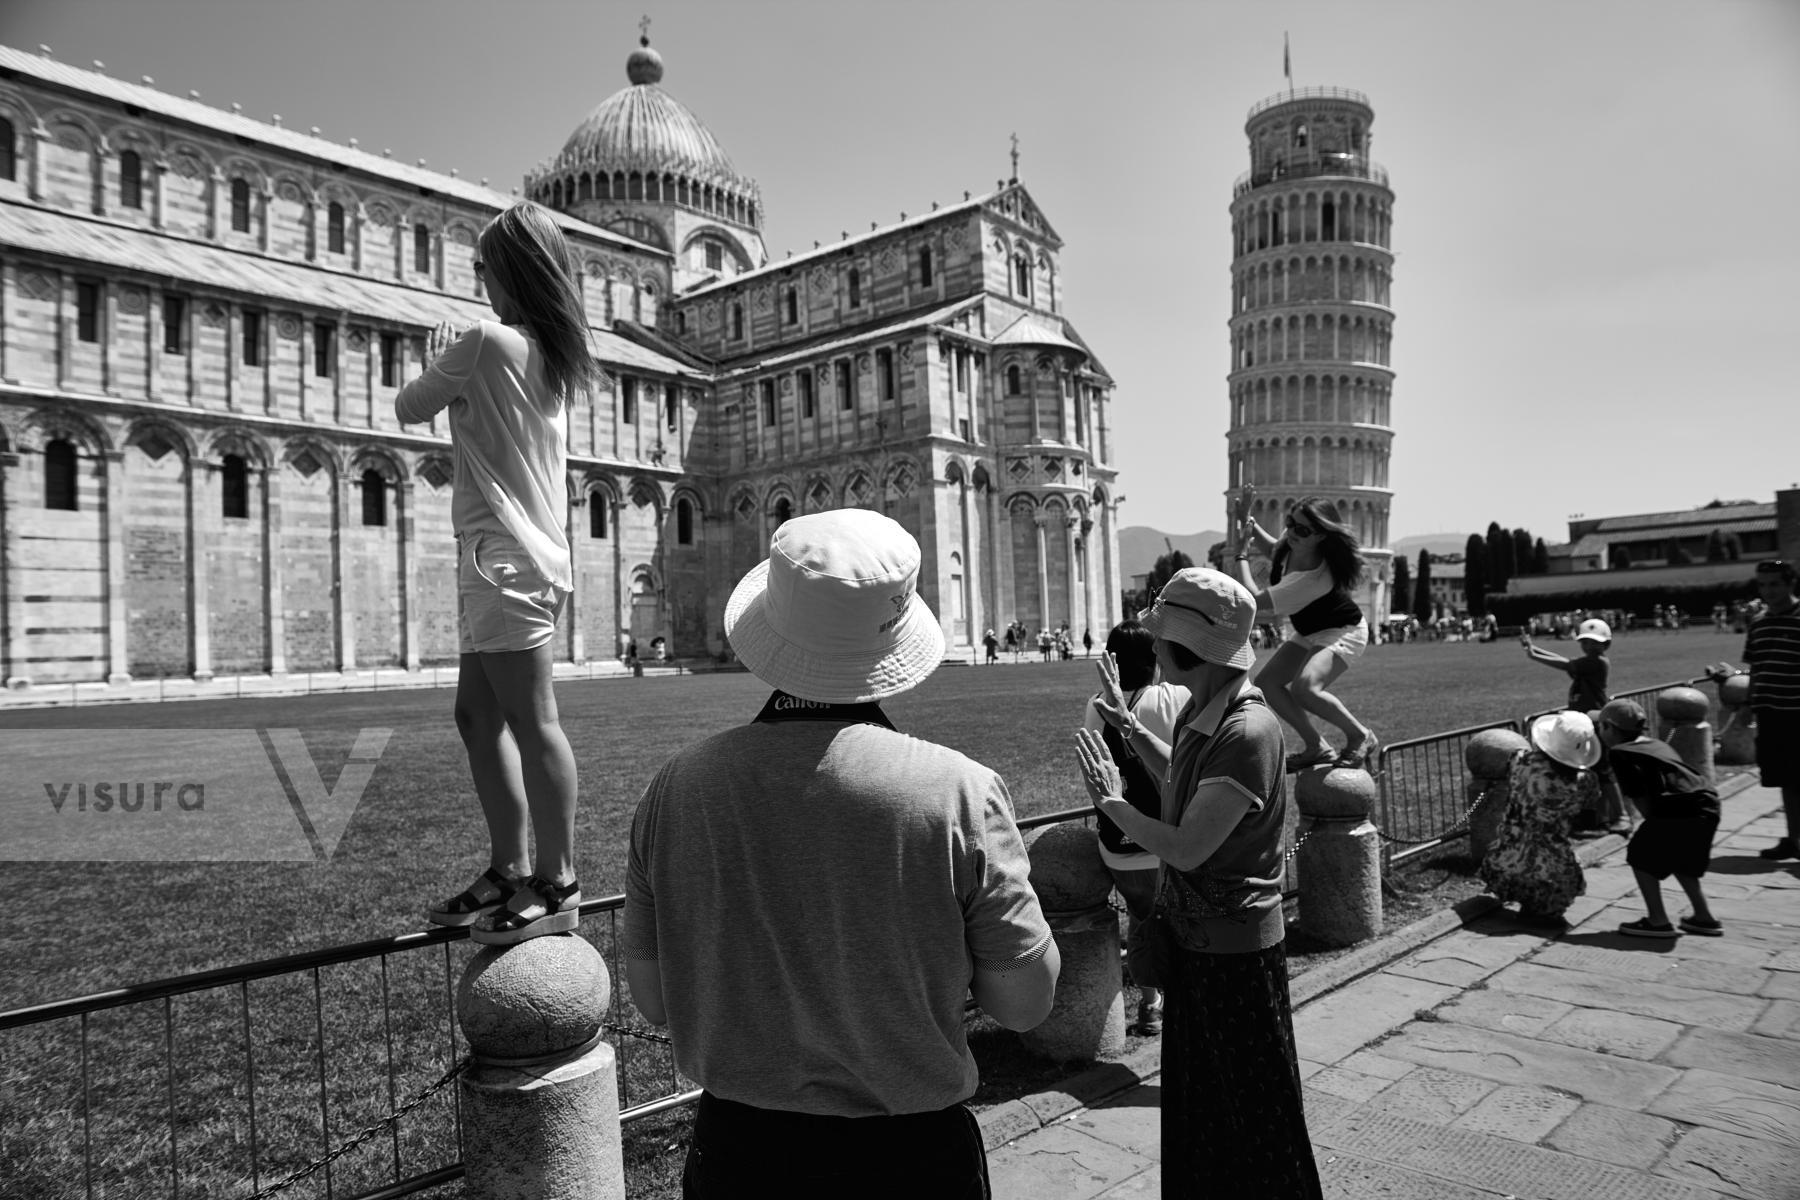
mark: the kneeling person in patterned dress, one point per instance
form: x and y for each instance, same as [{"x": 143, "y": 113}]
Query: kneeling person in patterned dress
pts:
[{"x": 1681, "y": 815}]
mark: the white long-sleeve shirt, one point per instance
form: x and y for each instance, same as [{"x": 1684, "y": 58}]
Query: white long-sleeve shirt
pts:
[{"x": 507, "y": 440}]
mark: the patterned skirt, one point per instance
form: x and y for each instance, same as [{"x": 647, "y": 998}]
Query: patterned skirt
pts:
[{"x": 1233, "y": 1121}]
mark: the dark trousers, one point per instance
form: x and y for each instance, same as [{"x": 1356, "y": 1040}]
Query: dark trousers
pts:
[{"x": 738, "y": 1150}]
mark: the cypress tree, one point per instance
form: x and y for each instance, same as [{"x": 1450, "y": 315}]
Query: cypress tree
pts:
[
  {"x": 1475, "y": 574},
  {"x": 1422, "y": 590}
]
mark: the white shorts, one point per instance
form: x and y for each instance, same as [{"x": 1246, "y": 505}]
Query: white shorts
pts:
[
  {"x": 1346, "y": 643},
  {"x": 503, "y": 602}
]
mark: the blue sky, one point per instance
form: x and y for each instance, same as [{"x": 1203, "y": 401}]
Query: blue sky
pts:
[{"x": 1597, "y": 214}]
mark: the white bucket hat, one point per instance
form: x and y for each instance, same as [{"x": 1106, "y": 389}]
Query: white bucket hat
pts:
[
  {"x": 1568, "y": 737},
  {"x": 1594, "y": 630},
  {"x": 833, "y": 614},
  {"x": 1207, "y": 611}
]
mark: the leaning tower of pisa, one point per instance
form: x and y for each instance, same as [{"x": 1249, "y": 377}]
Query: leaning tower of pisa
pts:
[{"x": 1312, "y": 321}]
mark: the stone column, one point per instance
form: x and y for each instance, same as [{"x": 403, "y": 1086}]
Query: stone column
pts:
[
  {"x": 41, "y": 135},
  {"x": 203, "y": 515},
  {"x": 1073, "y": 884},
  {"x": 340, "y": 595},
  {"x": 1683, "y": 712},
  {"x": 540, "y": 1097},
  {"x": 572, "y": 606},
  {"x": 12, "y": 615},
  {"x": 1489, "y": 758},
  {"x": 1077, "y": 611},
  {"x": 274, "y": 608},
  {"x": 404, "y": 492},
  {"x": 159, "y": 171},
  {"x": 1340, "y": 860},
  {"x": 1043, "y": 572},
  {"x": 113, "y": 463}
]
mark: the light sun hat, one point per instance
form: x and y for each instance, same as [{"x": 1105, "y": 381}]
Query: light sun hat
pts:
[
  {"x": 1568, "y": 737},
  {"x": 833, "y": 614},
  {"x": 1207, "y": 611},
  {"x": 1594, "y": 630}
]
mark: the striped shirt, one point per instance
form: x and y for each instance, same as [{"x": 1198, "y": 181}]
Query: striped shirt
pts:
[{"x": 1772, "y": 650}]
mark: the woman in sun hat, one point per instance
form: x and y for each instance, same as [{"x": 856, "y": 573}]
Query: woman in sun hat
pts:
[
  {"x": 1531, "y": 861},
  {"x": 1233, "y": 1117}
]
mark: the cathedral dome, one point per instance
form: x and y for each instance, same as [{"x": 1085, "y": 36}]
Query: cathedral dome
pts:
[{"x": 643, "y": 130}]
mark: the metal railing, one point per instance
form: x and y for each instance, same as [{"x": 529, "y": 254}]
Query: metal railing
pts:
[
  {"x": 1308, "y": 93},
  {"x": 1349, "y": 166}
]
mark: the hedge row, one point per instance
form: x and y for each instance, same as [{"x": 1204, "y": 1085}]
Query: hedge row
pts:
[{"x": 1695, "y": 599}]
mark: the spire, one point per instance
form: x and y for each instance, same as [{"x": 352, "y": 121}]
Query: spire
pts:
[
  {"x": 645, "y": 65},
  {"x": 1015, "y": 159}
]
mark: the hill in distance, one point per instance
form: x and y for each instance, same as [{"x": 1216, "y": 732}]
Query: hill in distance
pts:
[{"x": 1140, "y": 546}]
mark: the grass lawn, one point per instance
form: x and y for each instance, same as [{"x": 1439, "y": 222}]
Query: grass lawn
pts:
[{"x": 84, "y": 927}]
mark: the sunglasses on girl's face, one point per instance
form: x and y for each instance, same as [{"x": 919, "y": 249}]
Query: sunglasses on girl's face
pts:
[{"x": 1299, "y": 529}]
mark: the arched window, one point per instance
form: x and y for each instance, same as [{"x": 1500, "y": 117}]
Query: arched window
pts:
[
  {"x": 60, "y": 475},
  {"x": 131, "y": 180},
  {"x": 1012, "y": 380},
  {"x": 715, "y": 256},
  {"x": 684, "y": 522},
  {"x": 1022, "y": 276},
  {"x": 793, "y": 306},
  {"x": 334, "y": 228},
  {"x": 855, "y": 288},
  {"x": 784, "y": 511},
  {"x": 421, "y": 249},
  {"x": 596, "y": 505},
  {"x": 9, "y": 155},
  {"x": 1300, "y": 135},
  {"x": 234, "y": 487},
  {"x": 737, "y": 321},
  {"x": 240, "y": 205},
  {"x": 924, "y": 266},
  {"x": 1328, "y": 220},
  {"x": 374, "y": 498}
]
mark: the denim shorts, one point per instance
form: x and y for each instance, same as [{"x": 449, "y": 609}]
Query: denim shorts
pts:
[
  {"x": 1346, "y": 643},
  {"x": 503, "y": 602}
]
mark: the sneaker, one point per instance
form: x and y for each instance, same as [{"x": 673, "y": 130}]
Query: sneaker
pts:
[
  {"x": 1703, "y": 928},
  {"x": 1785, "y": 848},
  {"x": 1150, "y": 1016},
  {"x": 1644, "y": 927}
]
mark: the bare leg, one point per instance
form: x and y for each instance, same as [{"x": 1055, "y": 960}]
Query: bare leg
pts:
[
  {"x": 1276, "y": 676},
  {"x": 520, "y": 680},
  {"x": 494, "y": 765},
  {"x": 1691, "y": 885},
  {"x": 1651, "y": 887},
  {"x": 1309, "y": 690}
]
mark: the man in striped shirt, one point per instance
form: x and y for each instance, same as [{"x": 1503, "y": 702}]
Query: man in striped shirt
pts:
[{"x": 1772, "y": 652}]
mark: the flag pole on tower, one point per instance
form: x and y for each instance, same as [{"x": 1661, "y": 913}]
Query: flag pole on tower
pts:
[{"x": 1287, "y": 63}]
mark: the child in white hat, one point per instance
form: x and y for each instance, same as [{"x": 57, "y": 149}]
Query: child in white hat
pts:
[{"x": 1587, "y": 674}]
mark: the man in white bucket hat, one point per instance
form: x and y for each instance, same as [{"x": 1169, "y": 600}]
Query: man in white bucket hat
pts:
[{"x": 811, "y": 897}]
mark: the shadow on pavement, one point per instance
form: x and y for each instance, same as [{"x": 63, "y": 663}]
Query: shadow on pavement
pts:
[
  {"x": 1750, "y": 865},
  {"x": 1148, "y": 1095},
  {"x": 1611, "y": 939}
]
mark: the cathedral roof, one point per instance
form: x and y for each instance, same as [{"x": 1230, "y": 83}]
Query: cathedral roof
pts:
[
  {"x": 1031, "y": 329},
  {"x": 643, "y": 128},
  {"x": 309, "y": 145},
  {"x": 273, "y": 280}
]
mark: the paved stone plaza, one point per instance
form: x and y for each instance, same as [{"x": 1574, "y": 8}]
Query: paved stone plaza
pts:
[{"x": 1496, "y": 1062}]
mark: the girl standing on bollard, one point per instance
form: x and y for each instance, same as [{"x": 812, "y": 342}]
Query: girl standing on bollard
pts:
[
  {"x": 1532, "y": 861},
  {"x": 505, "y": 384},
  {"x": 1317, "y": 565}
]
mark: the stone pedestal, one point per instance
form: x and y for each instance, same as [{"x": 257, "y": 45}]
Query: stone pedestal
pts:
[
  {"x": 1683, "y": 712},
  {"x": 1340, "y": 861},
  {"x": 1489, "y": 758},
  {"x": 541, "y": 1100},
  {"x": 1737, "y": 725},
  {"x": 1072, "y": 883}
]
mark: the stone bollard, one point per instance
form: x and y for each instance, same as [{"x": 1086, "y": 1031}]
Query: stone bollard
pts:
[
  {"x": 1489, "y": 758},
  {"x": 541, "y": 1100},
  {"x": 1683, "y": 712},
  {"x": 1072, "y": 883},
  {"x": 1340, "y": 861},
  {"x": 1737, "y": 733}
]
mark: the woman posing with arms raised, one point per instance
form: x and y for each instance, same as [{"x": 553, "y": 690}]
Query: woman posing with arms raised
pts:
[
  {"x": 1317, "y": 565},
  {"x": 505, "y": 384}
]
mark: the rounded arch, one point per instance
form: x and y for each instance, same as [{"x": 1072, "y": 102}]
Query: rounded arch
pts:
[
  {"x": 71, "y": 118},
  {"x": 46, "y": 425},
  {"x": 302, "y": 187},
  {"x": 425, "y": 214},
  {"x": 240, "y": 166},
  {"x": 597, "y": 487},
  {"x": 741, "y": 503},
  {"x": 330, "y": 190},
  {"x": 462, "y": 232},
  {"x": 379, "y": 459},
  {"x": 981, "y": 479},
  {"x": 17, "y": 109},
  {"x": 129, "y": 135},
  {"x": 645, "y": 492},
  {"x": 954, "y": 471},
  {"x": 143, "y": 429}
]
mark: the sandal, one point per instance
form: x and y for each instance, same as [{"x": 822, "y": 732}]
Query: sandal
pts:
[
  {"x": 1645, "y": 927},
  {"x": 537, "y": 908},
  {"x": 1361, "y": 756},
  {"x": 489, "y": 891},
  {"x": 1307, "y": 759}
]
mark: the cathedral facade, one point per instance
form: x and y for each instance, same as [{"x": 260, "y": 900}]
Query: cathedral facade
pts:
[{"x": 204, "y": 321}]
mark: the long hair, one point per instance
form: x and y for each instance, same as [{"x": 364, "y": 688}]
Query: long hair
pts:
[
  {"x": 1340, "y": 549},
  {"x": 529, "y": 258}
]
